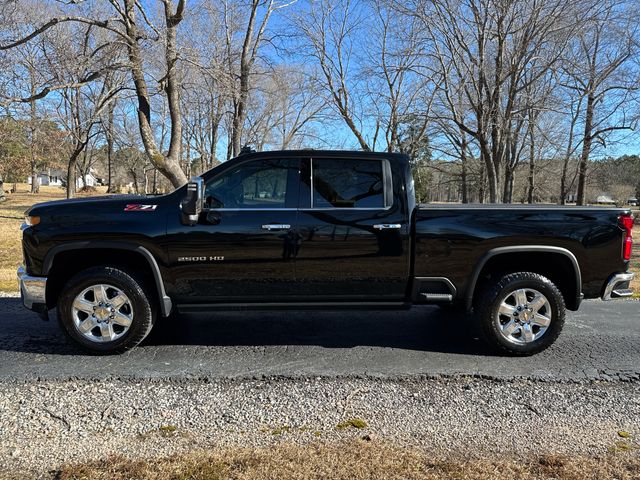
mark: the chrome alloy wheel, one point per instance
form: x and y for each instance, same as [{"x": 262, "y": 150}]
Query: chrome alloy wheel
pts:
[
  {"x": 102, "y": 313},
  {"x": 523, "y": 316}
]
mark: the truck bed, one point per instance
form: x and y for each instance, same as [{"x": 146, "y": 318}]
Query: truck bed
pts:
[{"x": 451, "y": 239}]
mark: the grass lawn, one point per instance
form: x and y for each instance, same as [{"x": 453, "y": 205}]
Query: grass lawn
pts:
[
  {"x": 11, "y": 217},
  {"x": 355, "y": 460}
]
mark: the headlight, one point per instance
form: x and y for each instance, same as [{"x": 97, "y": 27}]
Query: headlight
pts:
[{"x": 31, "y": 221}]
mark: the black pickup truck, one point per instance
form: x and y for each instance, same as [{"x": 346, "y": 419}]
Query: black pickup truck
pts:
[{"x": 316, "y": 229}]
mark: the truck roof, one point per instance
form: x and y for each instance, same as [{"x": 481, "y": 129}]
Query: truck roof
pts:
[{"x": 346, "y": 154}]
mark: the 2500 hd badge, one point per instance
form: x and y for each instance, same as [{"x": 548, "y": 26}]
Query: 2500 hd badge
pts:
[{"x": 201, "y": 259}]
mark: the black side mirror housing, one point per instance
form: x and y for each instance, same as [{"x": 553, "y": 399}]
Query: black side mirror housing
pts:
[{"x": 191, "y": 206}]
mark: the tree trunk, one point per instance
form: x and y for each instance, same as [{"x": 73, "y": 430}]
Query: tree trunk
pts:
[
  {"x": 109, "y": 135},
  {"x": 134, "y": 176},
  {"x": 215, "y": 125},
  {"x": 35, "y": 184},
  {"x": 35, "y": 181},
  {"x": 491, "y": 173},
  {"x": 168, "y": 165},
  {"x": 563, "y": 186},
  {"x": 71, "y": 174},
  {"x": 481, "y": 191},
  {"x": 155, "y": 180},
  {"x": 532, "y": 183},
  {"x": 463, "y": 175},
  {"x": 246, "y": 62},
  {"x": 507, "y": 193},
  {"x": 586, "y": 150}
]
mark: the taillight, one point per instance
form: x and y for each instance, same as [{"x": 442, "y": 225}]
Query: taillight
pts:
[{"x": 626, "y": 222}]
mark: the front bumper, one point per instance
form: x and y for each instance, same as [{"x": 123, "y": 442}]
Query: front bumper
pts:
[
  {"x": 33, "y": 291},
  {"x": 618, "y": 286}
]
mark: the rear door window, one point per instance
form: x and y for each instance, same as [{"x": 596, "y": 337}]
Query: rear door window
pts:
[{"x": 347, "y": 183}]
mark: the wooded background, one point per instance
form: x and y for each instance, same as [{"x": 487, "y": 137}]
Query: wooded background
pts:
[{"x": 494, "y": 100}]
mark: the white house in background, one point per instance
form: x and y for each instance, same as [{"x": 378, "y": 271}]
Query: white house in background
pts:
[
  {"x": 51, "y": 176},
  {"x": 90, "y": 180},
  {"x": 58, "y": 178}
]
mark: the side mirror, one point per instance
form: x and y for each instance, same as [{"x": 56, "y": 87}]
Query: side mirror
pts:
[{"x": 191, "y": 206}]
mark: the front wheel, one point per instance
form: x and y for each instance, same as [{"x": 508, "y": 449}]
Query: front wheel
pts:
[
  {"x": 521, "y": 314},
  {"x": 105, "y": 310}
]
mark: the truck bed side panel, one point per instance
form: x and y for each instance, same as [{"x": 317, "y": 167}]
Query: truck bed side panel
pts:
[{"x": 451, "y": 241}]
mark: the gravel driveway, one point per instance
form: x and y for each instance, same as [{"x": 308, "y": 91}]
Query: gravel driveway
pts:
[{"x": 48, "y": 423}]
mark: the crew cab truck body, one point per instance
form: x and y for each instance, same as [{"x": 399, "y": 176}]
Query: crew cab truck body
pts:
[{"x": 316, "y": 229}]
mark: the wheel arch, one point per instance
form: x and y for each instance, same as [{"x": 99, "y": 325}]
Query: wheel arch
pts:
[
  {"x": 83, "y": 255},
  {"x": 553, "y": 262}
]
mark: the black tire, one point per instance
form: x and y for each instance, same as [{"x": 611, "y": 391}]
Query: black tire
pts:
[
  {"x": 489, "y": 303},
  {"x": 136, "y": 291}
]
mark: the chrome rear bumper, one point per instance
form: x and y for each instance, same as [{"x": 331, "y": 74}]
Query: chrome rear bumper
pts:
[
  {"x": 618, "y": 286},
  {"x": 32, "y": 290}
]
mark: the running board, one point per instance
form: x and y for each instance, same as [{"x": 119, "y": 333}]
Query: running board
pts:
[
  {"x": 436, "y": 297},
  {"x": 211, "y": 307}
]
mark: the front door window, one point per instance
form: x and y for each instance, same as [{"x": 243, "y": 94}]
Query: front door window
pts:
[{"x": 262, "y": 184}]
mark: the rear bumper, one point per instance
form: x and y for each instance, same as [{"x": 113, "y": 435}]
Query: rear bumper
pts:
[
  {"x": 618, "y": 286},
  {"x": 33, "y": 291}
]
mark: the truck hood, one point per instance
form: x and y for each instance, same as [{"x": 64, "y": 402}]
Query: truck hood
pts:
[{"x": 104, "y": 201}]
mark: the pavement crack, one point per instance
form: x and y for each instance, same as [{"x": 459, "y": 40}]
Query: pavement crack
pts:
[
  {"x": 533, "y": 409},
  {"x": 58, "y": 417}
]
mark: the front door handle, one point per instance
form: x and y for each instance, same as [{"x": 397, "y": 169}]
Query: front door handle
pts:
[
  {"x": 387, "y": 226},
  {"x": 276, "y": 226}
]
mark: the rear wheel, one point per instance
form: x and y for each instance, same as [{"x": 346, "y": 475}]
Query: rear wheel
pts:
[
  {"x": 521, "y": 314},
  {"x": 105, "y": 310}
]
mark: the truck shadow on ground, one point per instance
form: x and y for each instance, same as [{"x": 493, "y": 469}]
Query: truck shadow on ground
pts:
[{"x": 421, "y": 329}]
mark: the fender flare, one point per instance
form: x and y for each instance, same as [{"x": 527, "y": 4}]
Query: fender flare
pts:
[
  {"x": 165, "y": 300},
  {"x": 523, "y": 249}
]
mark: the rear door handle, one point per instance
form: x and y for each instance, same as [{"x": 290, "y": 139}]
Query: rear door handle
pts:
[
  {"x": 387, "y": 226},
  {"x": 276, "y": 226}
]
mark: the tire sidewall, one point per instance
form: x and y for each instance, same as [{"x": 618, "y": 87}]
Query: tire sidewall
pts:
[
  {"x": 142, "y": 310},
  {"x": 556, "y": 302}
]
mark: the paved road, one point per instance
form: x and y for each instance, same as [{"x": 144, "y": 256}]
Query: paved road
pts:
[{"x": 601, "y": 341}]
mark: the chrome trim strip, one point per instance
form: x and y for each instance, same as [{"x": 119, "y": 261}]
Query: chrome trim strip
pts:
[
  {"x": 614, "y": 281},
  {"x": 276, "y": 226},
  {"x": 320, "y": 209},
  {"x": 387, "y": 226},
  {"x": 33, "y": 289},
  {"x": 444, "y": 280},
  {"x": 288, "y": 209}
]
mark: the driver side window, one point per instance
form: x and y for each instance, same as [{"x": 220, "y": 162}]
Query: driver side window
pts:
[{"x": 258, "y": 184}]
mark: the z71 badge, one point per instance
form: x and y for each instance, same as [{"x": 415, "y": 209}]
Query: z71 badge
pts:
[{"x": 136, "y": 207}]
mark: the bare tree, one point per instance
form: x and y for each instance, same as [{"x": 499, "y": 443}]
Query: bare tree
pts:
[
  {"x": 128, "y": 29},
  {"x": 595, "y": 71},
  {"x": 329, "y": 30},
  {"x": 488, "y": 46},
  {"x": 254, "y": 30},
  {"x": 284, "y": 109}
]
